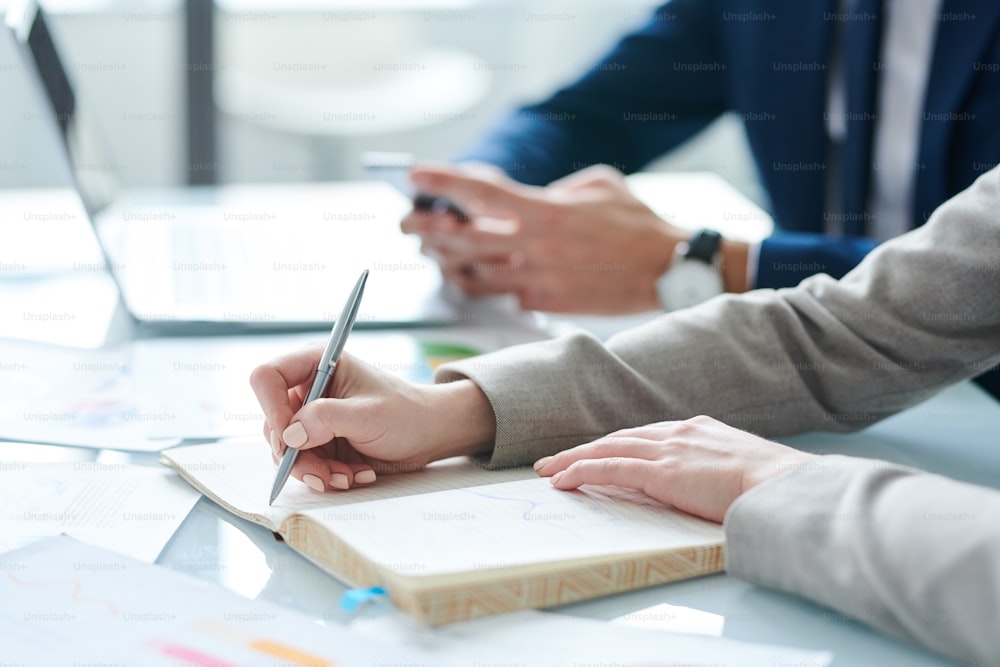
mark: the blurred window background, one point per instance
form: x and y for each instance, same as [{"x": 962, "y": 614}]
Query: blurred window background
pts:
[{"x": 301, "y": 87}]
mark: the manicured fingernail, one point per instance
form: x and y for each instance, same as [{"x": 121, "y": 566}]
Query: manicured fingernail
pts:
[
  {"x": 555, "y": 477},
  {"x": 275, "y": 444},
  {"x": 542, "y": 462},
  {"x": 295, "y": 435},
  {"x": 338, "y": 480},
  {"x": 364, "y": 477},
  {"x": 314, "y": 482}
]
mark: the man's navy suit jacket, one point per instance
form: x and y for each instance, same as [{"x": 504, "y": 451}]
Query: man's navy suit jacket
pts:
[{"x": 765, "y": 60}]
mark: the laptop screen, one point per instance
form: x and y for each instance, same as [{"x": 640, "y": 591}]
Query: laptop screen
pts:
[{"x": 92, "y": 170}]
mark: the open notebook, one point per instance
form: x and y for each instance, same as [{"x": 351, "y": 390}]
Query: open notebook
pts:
[{"x": 456, "y": 541}]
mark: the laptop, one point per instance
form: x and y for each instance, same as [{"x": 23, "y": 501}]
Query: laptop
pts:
[{"x": 233, "y": 258}]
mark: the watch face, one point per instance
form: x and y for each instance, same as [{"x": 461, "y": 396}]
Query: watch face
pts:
[{"x": 688, "y": 283}]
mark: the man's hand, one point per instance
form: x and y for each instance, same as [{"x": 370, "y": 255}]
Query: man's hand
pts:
[
  {"x": 583, "y": 244},
  {"x": 371, "y": 423},
  {"x": 699, "y": 466}
]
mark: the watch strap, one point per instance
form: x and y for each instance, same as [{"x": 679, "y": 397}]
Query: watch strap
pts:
[{"x": 704, "y": 245}]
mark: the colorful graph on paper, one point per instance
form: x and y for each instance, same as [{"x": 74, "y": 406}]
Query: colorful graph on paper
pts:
[{"x": 64, "y": 602}]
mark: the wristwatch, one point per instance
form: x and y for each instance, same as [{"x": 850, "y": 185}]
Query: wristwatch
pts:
[{"x": 695, "y": 275}]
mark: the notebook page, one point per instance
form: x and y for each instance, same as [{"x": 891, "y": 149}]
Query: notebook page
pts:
[
  {"x": 240, "y": 473},
  {"x": 512, "y": 524}
]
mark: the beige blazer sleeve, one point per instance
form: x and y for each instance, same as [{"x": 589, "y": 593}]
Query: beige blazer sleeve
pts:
[
  {"x": 920, "y": 312},
  {"x": 913, "y": 554}
]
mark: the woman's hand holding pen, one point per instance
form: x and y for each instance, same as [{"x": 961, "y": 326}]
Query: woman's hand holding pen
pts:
[{"x": 372, "y": 423}]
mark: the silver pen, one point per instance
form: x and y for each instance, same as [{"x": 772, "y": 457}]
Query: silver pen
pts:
[{"x": 324, "y": 373}]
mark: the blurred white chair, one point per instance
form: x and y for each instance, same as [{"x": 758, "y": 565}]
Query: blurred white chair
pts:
[{"x": 339, "y": 74}]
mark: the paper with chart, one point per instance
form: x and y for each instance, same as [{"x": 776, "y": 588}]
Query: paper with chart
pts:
[
  {"x": 69, "y": 603},
  {"x": 239, "y": 473},
  {"x": 76, "y": 397},
  {"x": 133, "y": 510},
  {"x": 515, "y": 524},
  {"x": 143, "y": 396}
]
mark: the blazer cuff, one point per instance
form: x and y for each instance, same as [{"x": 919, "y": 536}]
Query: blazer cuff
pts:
[
  {"x": 540, "y": 397},
  {"x": 771, "y": 529}
]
